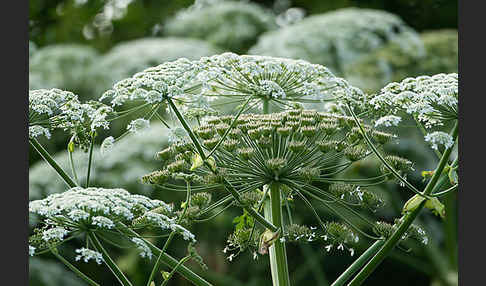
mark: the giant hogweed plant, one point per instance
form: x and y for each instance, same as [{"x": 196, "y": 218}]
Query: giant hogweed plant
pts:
[{"x": 263, "y": 161}]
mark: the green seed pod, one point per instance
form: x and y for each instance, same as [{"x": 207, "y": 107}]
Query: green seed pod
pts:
[
  {"x": 355, "y": 153},
  {"x": 205, "y": 133},
  {"x": 221, "y": 128},
  {"x": 254, "y": 134},
  {"x": 177, "y": 166},
  {"x": 296, "y": 146},
  {"x": 201, "y": 200},
  {"x": 251, "y": 198},
  {"x": 156, "y": 177},
  {"x": 265, "y": 142},
  {"x": 211, "y": 143},
  {"x": 266, "y": 130},
  {"x": 230, "y": 144},
  {"x": 165, "y": 154},
  {"x": 307, "y": 121},
  {"x": 245, "y": 153},
  {"x": 284, "y": 131},
  {"x": 276, "y": 164},
  {"x": 297, "y": 232},
  {"x": 235, "y": 133},
  {"x": 328, "y": 128},
  {"x": 382, "y": 137},
  {"x": 308, "y": 131},
  {"x": 309, "y": 174},
  {"x": 326, "y": 146}
]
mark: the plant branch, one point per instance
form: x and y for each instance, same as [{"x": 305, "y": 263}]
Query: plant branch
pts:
[{"x": 47, "y": 157}]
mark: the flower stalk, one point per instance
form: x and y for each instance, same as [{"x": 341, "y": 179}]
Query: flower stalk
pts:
[
  {"x": 48, "y": 158},
  {"x": 407, "y": 219},
  {"x": 277, "y": 252}
]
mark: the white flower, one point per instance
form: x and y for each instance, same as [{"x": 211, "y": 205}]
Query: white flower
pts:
[
  {"x": 387, "y": 121},
  {"x": 439, "y": 138},
  {"x": 31, "y": 250},
  {"x": 328, "y": 247},
  {"x": 145, "y": 250},
  {"x": 138, "y": 125},
  {"x": 56, "y": 233},
  {"x": 107, "y": 145},
  {"x": 230, "y": 258},
  {"x": 103, "y": 222},
  {"x": 87, "y": 254},
  {"x": 351, "y": 251}
]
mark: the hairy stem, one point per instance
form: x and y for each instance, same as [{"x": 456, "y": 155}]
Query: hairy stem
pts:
[
  {"x": 90, "y": 159},
  {"x": 277, "y": 253},
  {"x": 406, "y": 220},
  {"x": 47, "y": 157}
]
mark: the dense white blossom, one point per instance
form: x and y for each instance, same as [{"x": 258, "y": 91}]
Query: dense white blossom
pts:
[
  {"x": 51, "y": 109},
  {"x": 31, "y": 250},
  {"x": 430, "y": 99},
  {"x": 87, "y": 254},
  {"x": 387, "y": 121},
  {"x": 138, "y": 125},
  {"x": 143, "y": 247},
  {"x": 439, "y": 138}
]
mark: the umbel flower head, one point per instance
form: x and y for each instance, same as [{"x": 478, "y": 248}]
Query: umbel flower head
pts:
[
  {"x": 51, "y": 109},
  {"x": 431, "y": 100},
  {"x": 97, "y": 210},
  {"x": 195, "y": 84},
  {"x": 339, "y": 38},
  {"x": 295, "y": 149},
  {"x": 231, "y": 25}
]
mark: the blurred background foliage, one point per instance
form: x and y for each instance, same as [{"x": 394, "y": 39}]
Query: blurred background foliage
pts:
[{"x": 87, "y": 45}]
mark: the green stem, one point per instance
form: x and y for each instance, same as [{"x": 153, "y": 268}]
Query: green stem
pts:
[
  {"x": 358, "y": 263},
  {"x": 183, "y": 260},
  {"x": 227, "y": 185},
  {"x": 109, "y": 261},
  {"x": 90, "y": 159},
  {"x": 266, "y": 106},
  {"x": 387, "y": 165},
  {"x": 406, "y": 220},
  {"x": 47, "y": 157},
  {"x": 171, "y": 235},
  {"x": 169, "y": 260},
  {"x": 74, "y": 269},
  {"x": 277, "y": 253}
]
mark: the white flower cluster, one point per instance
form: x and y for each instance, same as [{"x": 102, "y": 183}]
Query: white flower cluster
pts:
[
  {"x": 87, "y": 254},
  {"x": 439, "y": 138},
  {"x": 143, "y": 247},
  {"x": 31, "y": 250},
  {"x": 431, "y": 99},
  {"x": 388, "y": 120},
  {"x": 51, "y": 109},
  {"x": 63, "y": 66},
  {"x": 128, "y": 58},
  {"x": 138, "y": 125},
  {"x": 164, "y": 222},
  {"x": 338, "y": 39},
  {"x": 195, "y": 84},
  {"x": 90, "y": 208},
  {"x": 282, "y": 80},
  {"x": 234, "y": 26}
]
